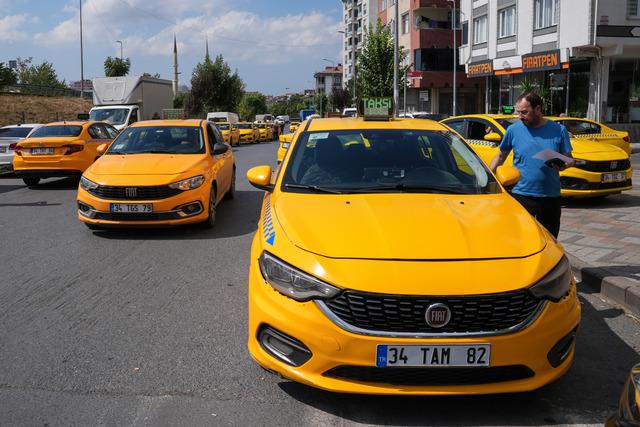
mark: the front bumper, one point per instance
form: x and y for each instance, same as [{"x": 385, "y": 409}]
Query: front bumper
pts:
[
  {"x": 342, "y": 361},
  {"x": 247, "y": 138},
  {"x": 580, "y": 183},
  {"x": 184, "y": 208}
]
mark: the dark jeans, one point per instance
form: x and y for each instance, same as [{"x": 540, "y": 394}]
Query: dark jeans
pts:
[{"x": 545, "y": 209}]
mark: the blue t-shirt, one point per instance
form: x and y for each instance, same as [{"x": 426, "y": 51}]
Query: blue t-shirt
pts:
[{"x": 536, "y": 178}]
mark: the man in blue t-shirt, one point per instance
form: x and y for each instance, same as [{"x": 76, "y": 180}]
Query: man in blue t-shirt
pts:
[{"x": 538, "y": 189}]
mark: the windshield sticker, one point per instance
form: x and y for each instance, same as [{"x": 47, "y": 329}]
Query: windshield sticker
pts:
[
  {"x": 267, "y": 223},
  {"x": 320, "y": 135}
]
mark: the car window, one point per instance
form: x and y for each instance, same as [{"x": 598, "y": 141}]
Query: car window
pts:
[
  {"x": 477, "y": 129},
  {"x": 17, "y": 132},
  {"x": 459, "y": 126},
  {"x": 579, "y": 127},
  {"x": 97, "y": 131},
  {"x": 113, "y": 132},
  {"x": 57, "y": 130},
  {"x": 159, "y": 140},
  {"x": 386, "y": 160}
]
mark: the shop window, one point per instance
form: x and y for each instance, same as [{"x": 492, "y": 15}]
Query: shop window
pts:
[
  {"x": 480, "y": 30},
  {"x": 507, "y": 22},
  {"x": 546, "y": 13},
  {"x": 623, "y": 105},
  {"x": 633, "y": 8}
]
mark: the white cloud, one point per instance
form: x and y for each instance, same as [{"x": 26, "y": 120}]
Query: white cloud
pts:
[{"x": 12, "y": 28}]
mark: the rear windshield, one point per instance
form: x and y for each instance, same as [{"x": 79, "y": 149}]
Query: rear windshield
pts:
[
  {"x": 375, "y": 161},
  {"x": 159, "y": 140},
  {"x": 507, "y": 122},
  {"x": 57, "y": 130},
  {"x": 244, "y": 126},
  {"x": 223, "y": 127},
  {"x": 20, "y": 132}
]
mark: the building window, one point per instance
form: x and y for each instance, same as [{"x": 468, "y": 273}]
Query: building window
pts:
[
  {"x": 480, "y": 30},
  {"x": 507, "y": 22},
  {"x": 633, "y": 9},
  {"x": 405, "y": 23},
  {"x": 546, "y": 13},
  {"x": 465, "y": 33},
  {"x": 383, "y": 4}
]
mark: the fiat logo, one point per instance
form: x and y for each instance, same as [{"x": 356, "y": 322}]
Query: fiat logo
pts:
[
  {"x": 614, "y": 164},
  {"x": 131, "y": 192},
  {"x": 437, "y": 315}
]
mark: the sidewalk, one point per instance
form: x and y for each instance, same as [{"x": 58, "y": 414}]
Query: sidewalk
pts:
[{"x": 602, "y": 238}]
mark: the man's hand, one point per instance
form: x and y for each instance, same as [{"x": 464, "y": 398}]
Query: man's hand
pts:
[
  {"x": 498, "y": 160},
  {"x": 568, "y": 164}
]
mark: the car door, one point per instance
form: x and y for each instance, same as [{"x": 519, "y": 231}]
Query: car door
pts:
[
  {"x": 222, "y": 163},
  {"x": 476, "y": 130}
]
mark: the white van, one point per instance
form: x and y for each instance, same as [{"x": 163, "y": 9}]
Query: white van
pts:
[
  {"x": 350, "y": 112},
  {"x": 282, "y": 119},
  {"x": 223, "y": 116}
]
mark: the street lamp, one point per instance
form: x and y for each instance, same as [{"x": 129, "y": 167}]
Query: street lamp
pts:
[
  {"x": 455, "y": 55},
  {"x": 333, "y": 63},
  {"x": 120, "y": 41},
  {"x": 353, "y": 62}
]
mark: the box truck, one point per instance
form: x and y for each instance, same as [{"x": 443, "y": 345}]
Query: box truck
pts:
[{"x": 128, "y": 99}]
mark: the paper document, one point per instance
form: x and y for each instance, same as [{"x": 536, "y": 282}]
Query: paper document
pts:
[{"x": 549, "y": 154}]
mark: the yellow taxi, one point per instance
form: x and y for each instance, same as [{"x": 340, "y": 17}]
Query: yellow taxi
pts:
[
  {"x": 265, "y": 131},
  {"x": 168, "y": 172},
  {"x": 285, "y": 142},
  {"x": 229, "y": 132},
  {"x": 389, "y": 260},
  {"x": 248, "y": 132},
  {"x": 589, "y": 130},
  {"x": 60, "y": 149},
  {"x": 601, "y": 169},
  {"x": 293, "y": 126}
]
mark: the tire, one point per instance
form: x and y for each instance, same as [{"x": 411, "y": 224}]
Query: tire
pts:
[
  {"x": 31, "y": 182},
  {"x": 231, "y": 194},
  {"x": 211, "y": 218}
]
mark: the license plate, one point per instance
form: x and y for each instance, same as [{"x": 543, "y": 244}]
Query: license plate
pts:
[
  {"x": 433, "y": 355},
  {"x": 613, "y": 177},
  {"x": 131, "y": 207},
  {"x": 42, "y": 151}
]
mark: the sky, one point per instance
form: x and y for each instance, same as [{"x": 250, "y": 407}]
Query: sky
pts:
[{"x": 275, "y": 45}]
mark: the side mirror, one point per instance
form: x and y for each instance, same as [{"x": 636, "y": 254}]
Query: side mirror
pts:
[
  {"x": 508, "y": 176},
  {"x": 220, "y": 148},
  {"x": 83, "y": 116},
  {"x": 260, "y": 177},
  {"x": 102, "y": 148},
  {"x": 493, "y": 137}
]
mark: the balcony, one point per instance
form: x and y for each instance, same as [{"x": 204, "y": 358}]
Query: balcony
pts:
[
  {"x": 437, "y": 38},
  {"x": 417, "y": 4}
]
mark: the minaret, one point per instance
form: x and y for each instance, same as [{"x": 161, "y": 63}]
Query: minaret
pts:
[
  {"x": 175, "y": 66},
  {"x": 206, "y": 55}
]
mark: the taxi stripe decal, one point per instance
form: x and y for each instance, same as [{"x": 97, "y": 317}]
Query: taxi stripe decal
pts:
[
  {"x": 482, "y": 142},
  {"x": 268, "y": 231},
  {"x": 598, "y": 135}
]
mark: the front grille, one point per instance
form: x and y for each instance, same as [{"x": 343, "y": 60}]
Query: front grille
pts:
[
  {"x": 134, "y": 193},
  {"x": 606, "y": 165},
  {"x": 430, "y": 376},
  {"x": 159, "y": 216},
  {"x": 406, "y": 314},
  {"x": 581, "y": 184}
]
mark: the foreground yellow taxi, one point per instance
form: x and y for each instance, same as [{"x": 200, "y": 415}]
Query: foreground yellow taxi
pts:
[
  {"x": 591, "y": 131},
  {"x": 389, "y": 260},
  {"x": 601, "y": 169},
  {"x": 229, "y": 132},
  {"x": 158, "y": 173},
  {"x": 248, "y": 132},
  {"x": 60, "y": 149}
]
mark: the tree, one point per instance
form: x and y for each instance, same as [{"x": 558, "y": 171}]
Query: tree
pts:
[
  {"x": 179, "y": 99},
  {"x": 41, "y": 75},
  {"x": 155, "y": 76},
  {"x": 116, "y": 67},
  {"x": 340, "y": 98},
  {"x": 375, "y": 64},
  {"x": 253, "y": 103},
  {"x": 321, "y": 102},
  {"x": 7, "y": 76},
  {"x": 214, "y": 88}
]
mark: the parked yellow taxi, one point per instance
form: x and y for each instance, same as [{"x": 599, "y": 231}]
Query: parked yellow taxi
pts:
[
  {"x": 601, "y": 169},
  {"x": 285, "y": 142},
  {"x": 293, "y": 126},
  {"x": 265, "y": 131},
  {"x": 248, "y": 132},
  {"x": 158, "y": 173},
  {"x": 589, "y": 130},
  {"x": 390, "y": 260},
  {"x": 230, "y": 133},
  {"x": 60, "y": 149}
]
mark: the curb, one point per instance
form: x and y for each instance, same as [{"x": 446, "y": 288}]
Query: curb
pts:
[{"x": 620, "y": 290}]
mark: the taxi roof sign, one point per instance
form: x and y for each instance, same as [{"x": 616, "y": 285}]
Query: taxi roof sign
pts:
[
  {"x": 508, "y": 109},
  {"x": 376, "y": 108}
]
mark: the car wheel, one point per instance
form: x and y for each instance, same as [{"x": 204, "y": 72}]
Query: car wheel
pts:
[
  {"x": 211, "y": 218},
  {"x": 232, "y": 189},
  {"x": 31, "y": 182}
]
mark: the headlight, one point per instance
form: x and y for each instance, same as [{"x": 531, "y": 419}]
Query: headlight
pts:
[
  {"x": 292, "y": 282},
  {"x": 87, "y": 184},
  {"x": 555, "y": 285},
  {"x": 580, "y": 162},
  {"x": 189, "y": 183}
]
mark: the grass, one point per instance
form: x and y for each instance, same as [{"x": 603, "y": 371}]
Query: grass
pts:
[{"x": 40, "y": 109}]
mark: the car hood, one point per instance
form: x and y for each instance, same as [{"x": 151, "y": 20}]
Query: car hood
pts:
[
  {"x": 145, "y": 164},
  {"x": 592, "y": 150},
  {"x": 409, "y": 226}
]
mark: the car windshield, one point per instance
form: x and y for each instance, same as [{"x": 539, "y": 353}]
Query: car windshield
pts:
[
  {"x": 159, "y": 140},
  {"x": 57, "y": 130},
  {"x": 244, "y": 126},
  {"x": 261, "y": 125},
  {"x": 19, "y": 132},
  {"x": 223, "y": 127},
  {"x": 505, "y": 123},
  {"x": 370, "y": 161},
  {"x": 115, "y": 116}
]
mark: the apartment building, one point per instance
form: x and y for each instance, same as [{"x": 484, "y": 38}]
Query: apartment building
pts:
[
  {"x": 583, "y": 53},
  {"x": 426, "y": 35},
  {"x": 328, "y": 79},
  {"x": 357, "y": 15}
]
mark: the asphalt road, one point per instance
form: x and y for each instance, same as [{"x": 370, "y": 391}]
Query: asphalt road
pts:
[{"x": 148, "y": 327}]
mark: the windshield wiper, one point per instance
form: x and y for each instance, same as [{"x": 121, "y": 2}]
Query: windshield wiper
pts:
[
  {"x": 116, "y": 152},
  {"x": 408, "y": 188},
  {"x": 313, "y": 188}
]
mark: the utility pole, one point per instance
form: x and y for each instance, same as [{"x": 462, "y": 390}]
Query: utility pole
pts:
[
  {"x": 396, "y": 95},
  {"x": 455, "y": 58},
  {"x": 81, "y": 57},
  {"x": 120, "y": 41}
]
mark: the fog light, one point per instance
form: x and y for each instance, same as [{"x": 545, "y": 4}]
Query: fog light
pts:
[
  {"x": 283, "y": 347},
  {"x": 85, "y": 210},
  {"x": 190, "y": 209},
  {"x": 561, "y": 350}
]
